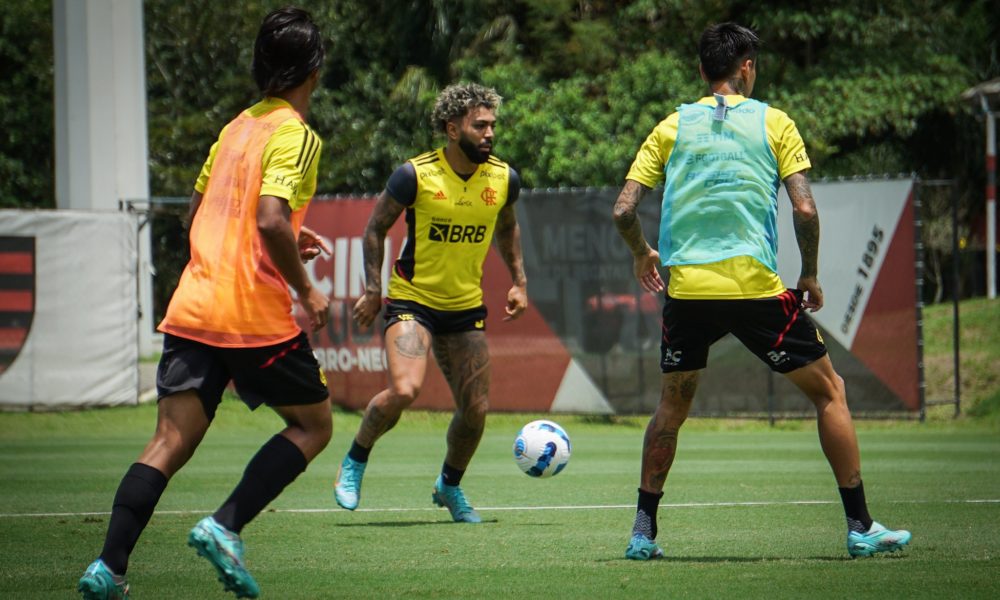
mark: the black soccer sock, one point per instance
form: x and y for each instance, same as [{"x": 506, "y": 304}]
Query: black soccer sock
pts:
[
  {"x": 645, "y": 514},
  {"x": 137, "y": 495},
  {"x": 276, "y": 464},
  {"x": 358, "y": 453},
  {"x": 855, "y": 508},
  {"x": 450, "y": 475}
]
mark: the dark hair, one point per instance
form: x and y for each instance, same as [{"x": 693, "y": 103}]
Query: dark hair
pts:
[
  {"x": 287, "y": 50},
  {"x": 723, "y": 47},
  {"x": 458, "y": 99}
]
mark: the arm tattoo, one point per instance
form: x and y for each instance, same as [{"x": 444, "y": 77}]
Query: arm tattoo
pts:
[
  {"x": 806, "y": 221},
  {"x": 508, "y": 237},
  {"x": 383, "y": 216},
  {"x": 626, "y": 219}
]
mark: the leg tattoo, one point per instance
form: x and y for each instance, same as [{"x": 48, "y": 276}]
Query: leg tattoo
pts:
[
  {"x": 412, "y": 342},
  {"x": 374, "y": 424},
  {"x": 465, "y": 362}
]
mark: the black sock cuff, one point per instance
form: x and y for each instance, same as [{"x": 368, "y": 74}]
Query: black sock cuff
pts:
[
  {"x": 281, "y": 451},
  {"x": 358, "y": 453},
  {"x": 649, "y": 501},
  {"x": 856, "y": 507},
  {"x": 450, "y": 475},
  {"x": 151, "y": 475}
]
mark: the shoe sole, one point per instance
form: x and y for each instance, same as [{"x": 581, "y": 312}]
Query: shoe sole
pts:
[
  {"x": 872, "y": 550},
  {"x": 206, "y": 547},
  {"x": 644, "y": 554},
  {"x": 440, "y": 502}
]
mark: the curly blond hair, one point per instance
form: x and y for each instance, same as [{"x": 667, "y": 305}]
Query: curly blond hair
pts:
[{"x": 458, "y": 99}]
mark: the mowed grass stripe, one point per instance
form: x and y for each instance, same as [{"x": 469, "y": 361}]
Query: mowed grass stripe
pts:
[{"x": 663, "y": 505}]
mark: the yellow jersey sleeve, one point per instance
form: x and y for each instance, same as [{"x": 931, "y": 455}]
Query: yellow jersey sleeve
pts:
[
  {"x": 786, "y": 143},
  {"x": 647, "y": 168},
  {"x": 782, "y": 136},
  {"x": 290, "y": 163},
  {"x": 206, "y": 169}
]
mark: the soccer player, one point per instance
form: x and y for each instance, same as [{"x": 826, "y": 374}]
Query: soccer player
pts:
[
  {"x": 721, "y": 159},
  {"x": 230, "y": 317},
  {"x": 454, "y": 197}
]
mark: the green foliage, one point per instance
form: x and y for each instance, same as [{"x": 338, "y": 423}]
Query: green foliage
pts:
[
  {"x": 873, "y": 86},
  {"x": 26, "y": 119},
  {"x": 197, "y": 80}
]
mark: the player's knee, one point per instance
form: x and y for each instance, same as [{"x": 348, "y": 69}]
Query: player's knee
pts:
[
  {"x": 321, "y": 430},
  {"x": 172, "y": 446},
  {"x": 403, "y": 395}
]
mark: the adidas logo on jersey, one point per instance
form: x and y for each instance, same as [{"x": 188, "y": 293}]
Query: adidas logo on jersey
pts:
[{"x": 440, "y": 196}]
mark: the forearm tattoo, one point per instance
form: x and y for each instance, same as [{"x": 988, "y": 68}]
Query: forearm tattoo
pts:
[
  {"x": 508, "y": 237},
  {"x": 806, "y": 221},
  {"x": 383, "y": 216},
  {"x": 626, "y": 218}
]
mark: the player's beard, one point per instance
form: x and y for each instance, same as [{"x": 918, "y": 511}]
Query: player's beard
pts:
[{"x": 472, "y": 151}]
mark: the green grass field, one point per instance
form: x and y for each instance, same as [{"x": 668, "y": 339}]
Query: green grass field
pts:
[{"x": 750, "y": 511}]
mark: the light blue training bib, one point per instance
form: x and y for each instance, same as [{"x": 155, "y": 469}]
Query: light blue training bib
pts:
[{"x": 721, "y": 187}]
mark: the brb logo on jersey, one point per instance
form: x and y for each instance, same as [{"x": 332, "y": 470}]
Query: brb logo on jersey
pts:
[{"x": 456, "y": 233}]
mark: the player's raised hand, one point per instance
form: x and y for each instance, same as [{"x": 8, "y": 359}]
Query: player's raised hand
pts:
[
  {"x": 646, "y": 269},
  {"x": 517, "y": 301},
  {"x": 367, "y": 308},
  {"x": 311, "y": 245}
]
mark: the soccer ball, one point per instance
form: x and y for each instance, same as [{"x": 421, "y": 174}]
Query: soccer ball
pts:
[{"x": 541, "y": 448}]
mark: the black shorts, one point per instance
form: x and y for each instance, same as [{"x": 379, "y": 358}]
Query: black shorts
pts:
[
  {"x": 775, "y": 329},
  {"x": 285, "y": 374},
  {"x": 435, "y": 321}
]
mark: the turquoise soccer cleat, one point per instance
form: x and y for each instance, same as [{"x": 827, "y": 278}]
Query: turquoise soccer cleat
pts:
[
  {"x": 452, "y": 498},
  {"x": 98, "y": 583},
  {"x": 641, "y": 547},
  {"x": 347, "y": 490},
  {"x": 224, "y": 549},
  {"x": 876, "y": 539}
]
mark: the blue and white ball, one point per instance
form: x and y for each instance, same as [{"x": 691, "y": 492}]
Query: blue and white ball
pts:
[{"x": 542, "y": 448}]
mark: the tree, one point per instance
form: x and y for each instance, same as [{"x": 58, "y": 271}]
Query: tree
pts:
[{"x": 26, "y": 119}]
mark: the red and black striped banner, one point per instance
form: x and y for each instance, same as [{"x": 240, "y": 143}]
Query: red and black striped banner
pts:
[{"x": 17, "y": 295}]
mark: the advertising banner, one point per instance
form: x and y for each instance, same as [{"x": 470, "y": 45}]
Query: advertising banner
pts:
[
  {"x": 68, "y": 309},
  {"x": 590, "y": 339}
]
